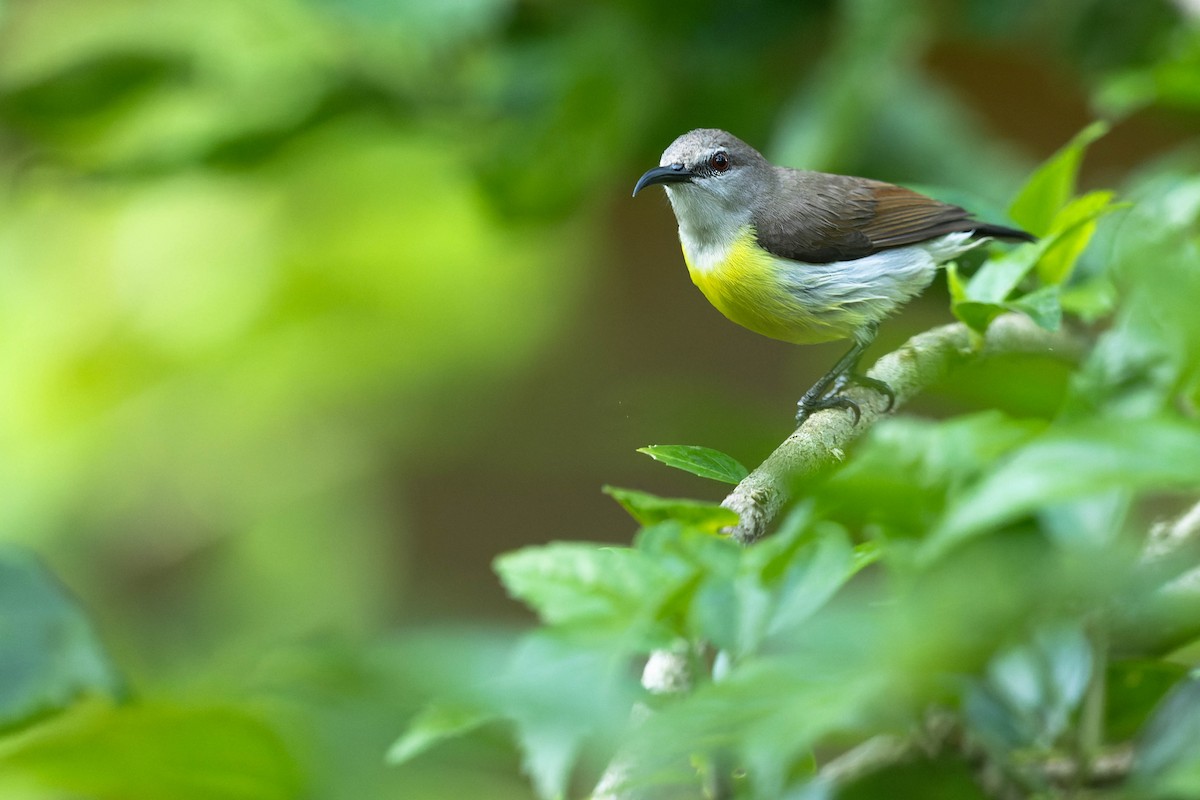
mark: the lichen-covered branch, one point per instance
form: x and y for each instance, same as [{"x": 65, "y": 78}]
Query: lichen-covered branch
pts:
[
  {"x": 1066, "y": 772},
  {"x": 667, "y": 671},
  {"x": 821, "y": 440},
  {"x": 920, "y": 362},
  {"x": 1166, "y": 617}
]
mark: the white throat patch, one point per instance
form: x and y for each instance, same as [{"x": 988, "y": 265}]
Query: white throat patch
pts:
[{"x": 707, "y": 231}]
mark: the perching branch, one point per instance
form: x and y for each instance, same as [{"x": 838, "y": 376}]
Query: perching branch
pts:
[
  {"x": 666, "y": 672},
  {"x": 918, "y": 363},
  {"x": 1167, "y": 617},
  {"x": 820, "y": 442},
  {"x": 1107, "y": 769}
]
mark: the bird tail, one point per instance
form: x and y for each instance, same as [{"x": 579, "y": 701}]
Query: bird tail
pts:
[{"x": 1002, "y": 232}]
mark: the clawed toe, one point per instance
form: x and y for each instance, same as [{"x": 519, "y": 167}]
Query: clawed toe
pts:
[
  {"x": 879, "y": 386},
  {"x": 829, "y": 401},
  {"x": 827, "y": 392},
  {"x": 832, "y": 398}
]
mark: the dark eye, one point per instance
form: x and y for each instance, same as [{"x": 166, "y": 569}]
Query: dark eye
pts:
[{"x": 719, "y": 161}]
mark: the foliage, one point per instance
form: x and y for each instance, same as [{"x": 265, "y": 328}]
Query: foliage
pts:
[
  {"x": 50, "y": 654},
  {"x": 702, "y": 461},
  {"x": 1064, "y": 225},
  {"x": 782, "y": 639},
  {"x": 1005, "y": 571},
  {"x": 180, "y": 752},
  {"x": 263, "y": 265}
]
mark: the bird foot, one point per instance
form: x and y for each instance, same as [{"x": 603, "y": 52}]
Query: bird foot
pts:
[
  {"x": 821, "y": 397},
  {"x": 870, "y": 383},
  {"x": 807, "y": 409}
]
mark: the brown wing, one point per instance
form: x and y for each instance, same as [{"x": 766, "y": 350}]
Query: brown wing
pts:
[
  {"x": 903, "y": 216},
  {"x": 821, "y": 218}
]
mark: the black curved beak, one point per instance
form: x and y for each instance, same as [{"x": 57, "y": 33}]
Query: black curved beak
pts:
[{"x": 673, "y": 173}]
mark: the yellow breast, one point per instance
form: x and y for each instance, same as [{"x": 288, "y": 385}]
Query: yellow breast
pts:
[{"x": 751, "y": 287}]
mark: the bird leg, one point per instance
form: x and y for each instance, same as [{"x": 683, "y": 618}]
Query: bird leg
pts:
[
  {"x": 847, "y": 378},
  {"x": 826, "y": 392}
]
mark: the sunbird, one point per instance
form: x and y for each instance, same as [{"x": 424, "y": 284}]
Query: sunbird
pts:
[{"x": 805, "y": 256}]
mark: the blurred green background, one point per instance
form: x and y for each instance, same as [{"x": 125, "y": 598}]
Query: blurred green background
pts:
[{"x": 309, "y": 309}]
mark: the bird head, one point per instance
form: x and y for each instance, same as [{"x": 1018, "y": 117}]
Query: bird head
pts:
[{"x": 709, "y": 175}]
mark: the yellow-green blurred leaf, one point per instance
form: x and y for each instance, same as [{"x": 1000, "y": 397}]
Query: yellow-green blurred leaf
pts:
[
  {"x": 1134, "y": 687},
  {"x": 1168, "y": 748},
  {"x": 1069, "y": 462},
  {"x": 1091, "y": 299},
  {"x": 1002, "y": 273},
  {"x": 975, "y": 315},
  {"x": 955, "y": 283},
  {"x": 435, "y": 724},
  {"x": 649, "y": 509},
  {"x": 154, "y": 751},
  {"x": 1041, "y": 305},
  {"x": 1071, "y": 232},
  {"x": 1053, "y": 183}
]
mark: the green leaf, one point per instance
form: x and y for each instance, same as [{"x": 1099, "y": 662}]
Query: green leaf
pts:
[
  {"x": 557, "y": 696},
  {"x": 649, "y": 509},
  {"x": 955, "y": 283},
  {"x": 1167, "y": 757},
  {"x": 1031, "y": 691},
  {"x": 702, "y": 461},
  {"x": 1041, "y": 305},
  {"x": 547, "y": 758},
  {"x": 865, "y": 554},
  {"x": 986, "y": 295},
  {"x": 1072, "y": 462},
  {"x": 435, "y": 724},
  {"x": 1053, "y": 183},
  {"x": 769, "y": 558},
  {"x": 570, "y": 583},
  {"x": 911, "y": 468},
  {"x": 977, "y": 316},
  {"x": 769, "y": 711},
  {"x": 1093, "y": 521},
  {"x": 1070, "y": 234},
  {"x": 779, "y": 583},
  {"x": 819, "y": 569},
  {"x": 701, "y": 603},
  {"x": 733, "y": 607},
  {"x": 151, "y": 752},
  {"x": 561, "y": 698},
  {"x": 1001, "y": 274},
  {"x": 1090, "y": 299},
  {"x": 49, "y": 654},
  {"x": 686, "y": 548},
  {"x": 1134, "y": 688}
]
